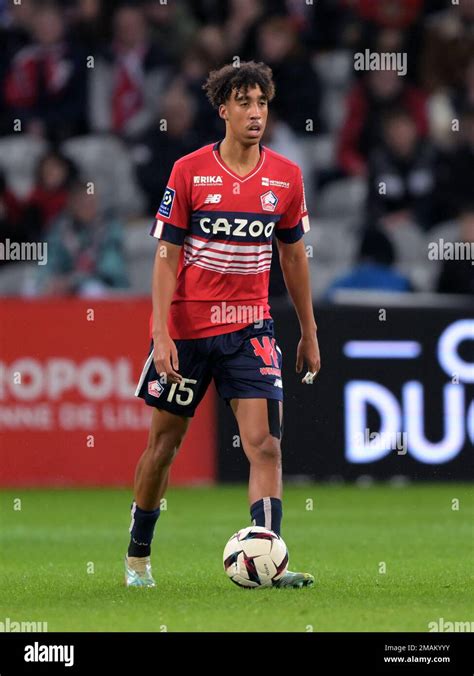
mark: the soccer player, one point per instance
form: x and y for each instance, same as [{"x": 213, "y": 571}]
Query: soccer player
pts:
[{"x": 220, "y": 210}]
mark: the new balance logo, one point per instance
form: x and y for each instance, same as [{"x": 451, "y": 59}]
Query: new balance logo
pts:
[
  {"x": 208, "y": 180},
  {"x": 213, "y": 199}
]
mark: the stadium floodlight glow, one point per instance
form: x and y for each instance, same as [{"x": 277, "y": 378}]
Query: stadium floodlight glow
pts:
[{"x": 382, "y": 349}]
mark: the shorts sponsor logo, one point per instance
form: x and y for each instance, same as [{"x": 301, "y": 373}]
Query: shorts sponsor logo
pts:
[
  {"x": 167, "y": 203},
  {"x": 270, "y": 371},
  {"x": 266, "y": 350},
  {"x": 155, "y": 388},
  {"x": 269, "y": 201}
]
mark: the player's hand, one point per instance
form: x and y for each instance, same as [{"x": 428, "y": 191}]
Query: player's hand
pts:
[
  {"x": 166, "y": 358},
  {"x": 308, "y": 352}
]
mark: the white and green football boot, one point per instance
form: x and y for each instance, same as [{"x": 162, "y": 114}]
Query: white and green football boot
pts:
[
  {"x": 296, "y": 580},
  {"x": 138, "y": 572}
]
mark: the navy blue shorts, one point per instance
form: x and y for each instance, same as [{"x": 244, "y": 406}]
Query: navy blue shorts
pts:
[{"x": 245, "y": 364}]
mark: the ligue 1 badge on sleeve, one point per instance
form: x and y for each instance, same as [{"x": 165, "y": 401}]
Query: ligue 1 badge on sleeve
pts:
[{"x": 167, "y": 203}]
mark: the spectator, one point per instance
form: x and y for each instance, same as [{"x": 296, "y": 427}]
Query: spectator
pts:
[
  {"x": 11, "y": 222},
  {"x": 170, "y": 19},
  {"x": 447, "y": 105},
  {"x": 241, "y": 26},
  {"x": 389, "y": 26},
  {"x": 49, "y": 197},
  {"x": 297, "y": 84},
  {"x": 15, "y": 33},
  {"x": 458, "y": 169},
  {"x": 128, "y": 77},
  {"x": 282, "y": 139},
  {"x": 88, "y": 25},
  {"x": 448, "y": 46},
  {"x": 329, "y": 27},
  {"x": 45, "y": 85},
  {"x": 457, "y": 276},
  {"x": 206, "y": 52},
  {"x": 390, "y": 13},
  {"x": 158, "y": 149},
  {"x": 374, "y": 271},
  {"x": 402, "y": 174},
  {"x": 85, "y": 251},
  {"x": 464, "y": 96},
  {"x": 16, "y": 25},
  {"x": 378, "y": 92},
  {"x": 209, "y": 11},
  {"x": 212, "y": 41}
]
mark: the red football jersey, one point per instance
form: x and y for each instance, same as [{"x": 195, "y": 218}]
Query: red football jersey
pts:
[{"x": 225, "y": 224}]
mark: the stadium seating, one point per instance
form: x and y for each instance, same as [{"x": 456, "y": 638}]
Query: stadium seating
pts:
[
  {"x": 344, "y": 199},
  {"x": 105, "y": 161},
  {"x": 19, "y": 155}
]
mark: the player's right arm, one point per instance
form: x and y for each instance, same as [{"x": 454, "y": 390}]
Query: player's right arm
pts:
[
  {"x": 172, "y": 222},
  {"x": 163, "y": 285}
]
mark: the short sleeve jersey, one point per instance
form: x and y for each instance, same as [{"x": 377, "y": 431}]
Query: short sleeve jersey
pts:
[{"x": 225, "y": 224}]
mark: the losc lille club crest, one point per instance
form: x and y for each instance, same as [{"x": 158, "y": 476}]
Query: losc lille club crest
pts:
[
  {"x": 269, "y": 201},
  {"x": 155, "y": 388}
]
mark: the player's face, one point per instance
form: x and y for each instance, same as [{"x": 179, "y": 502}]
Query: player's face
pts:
[{"x": 246, "y": 115}]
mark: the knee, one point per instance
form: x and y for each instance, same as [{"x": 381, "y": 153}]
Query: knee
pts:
[
  {"x": 163, "y": 448},
  {"x": 265, "y": 448}
]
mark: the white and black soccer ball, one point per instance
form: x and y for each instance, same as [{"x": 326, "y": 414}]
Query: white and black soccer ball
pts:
[{"x": 255, "y": 557}]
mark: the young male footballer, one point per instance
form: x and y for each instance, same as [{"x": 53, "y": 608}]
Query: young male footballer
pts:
[{"x": 215, "y": 225}]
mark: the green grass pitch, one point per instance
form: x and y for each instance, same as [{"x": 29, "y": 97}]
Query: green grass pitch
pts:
[{"x": 62, "y": 560}]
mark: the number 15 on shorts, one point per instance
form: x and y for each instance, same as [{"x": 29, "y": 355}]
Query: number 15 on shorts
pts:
[{"x": 185, "y": 395}]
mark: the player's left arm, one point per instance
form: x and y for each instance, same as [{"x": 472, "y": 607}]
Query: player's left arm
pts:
[
  {"x": 294, "y": 265},
  {"x": 295, "y": 268}
]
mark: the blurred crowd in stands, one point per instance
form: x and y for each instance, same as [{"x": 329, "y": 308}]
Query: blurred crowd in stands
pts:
[{"x": 109, "y": 94}]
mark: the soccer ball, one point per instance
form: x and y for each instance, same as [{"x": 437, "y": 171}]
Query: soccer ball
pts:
[{"x": 255, "y": 557}]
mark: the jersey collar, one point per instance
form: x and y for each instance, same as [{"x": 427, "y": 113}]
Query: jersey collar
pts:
[{"x": 220, "y": 161}]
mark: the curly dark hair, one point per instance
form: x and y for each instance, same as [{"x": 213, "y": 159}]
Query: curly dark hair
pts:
[{"x": 220, "y": 83}]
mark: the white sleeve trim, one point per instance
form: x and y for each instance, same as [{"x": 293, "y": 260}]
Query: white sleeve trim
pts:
[{"x": 158, "y": 229}]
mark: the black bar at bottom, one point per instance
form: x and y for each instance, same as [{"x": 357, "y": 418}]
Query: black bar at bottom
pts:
[{"x": 382, "y": 653}]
